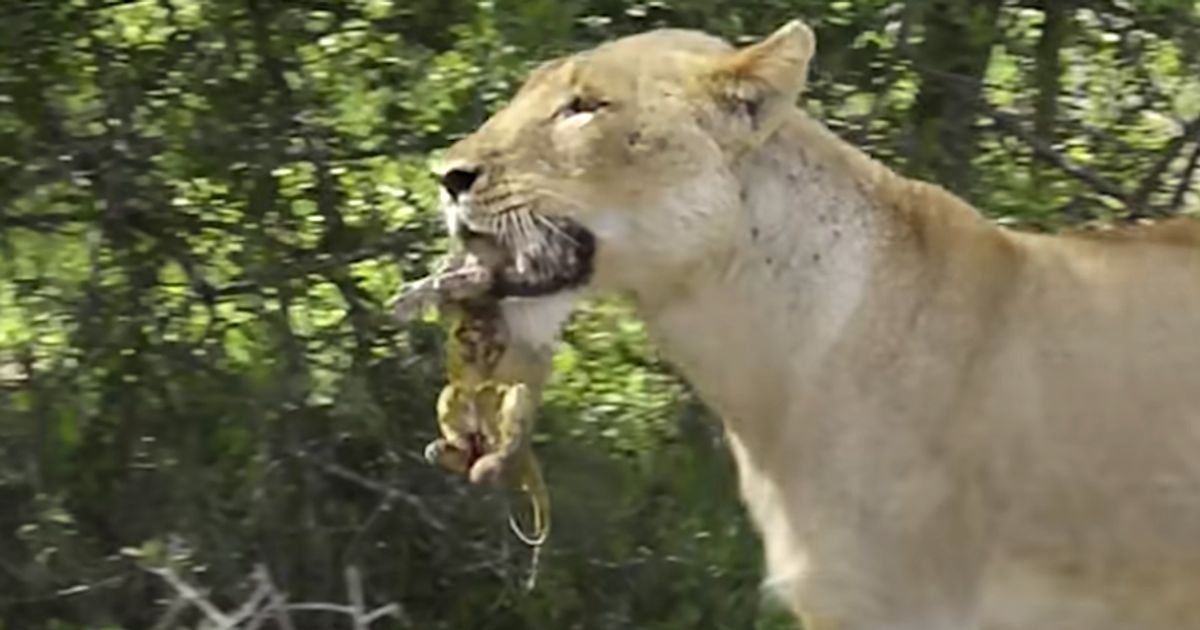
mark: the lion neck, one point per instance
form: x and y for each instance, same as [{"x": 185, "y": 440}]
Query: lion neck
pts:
[{"x": 753, "y": 329}]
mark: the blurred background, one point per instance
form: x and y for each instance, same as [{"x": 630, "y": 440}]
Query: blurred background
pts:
[{"x": 204, "y": 205}]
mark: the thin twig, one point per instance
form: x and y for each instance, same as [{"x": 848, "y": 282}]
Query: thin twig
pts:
[
  {"x": 315, "y": 262},
  {"x": 1010, "y": 124},
  {"x": 176, "y": 608},
  {"x": 362, "y": 618},
  {"x": 45, "y": 220},
  {"x": 388, "y": 610},
  {"x": 1153, "y": 180},
  {"x": 340, "y": 609},
  {"x": 261, "y": 593},
  {"x": 279, "y": 604},
  {"x": 355, "y": 591},
  {"x": 1043, "y": 151},
  {"x": 194, "y": 597},
  {"x": 378, "y": 487},
  {"x": 268, "y": 602}
]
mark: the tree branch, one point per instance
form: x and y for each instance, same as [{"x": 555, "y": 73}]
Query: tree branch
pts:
[
  {"x": 1042, "y": 150},
  {"x": 268, "y": 602},
  {"x": 45, "y": 220},
  {"x": 1153, "y": 179},
  {"x": 1185, "y": 181},
  {"x": 378, "y": 487},
  {"x": 317, "y": 262},
  {"x": 194, "y": 597}
]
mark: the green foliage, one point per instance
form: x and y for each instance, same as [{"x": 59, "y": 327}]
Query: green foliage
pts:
[{"x": 205, "y": 205}]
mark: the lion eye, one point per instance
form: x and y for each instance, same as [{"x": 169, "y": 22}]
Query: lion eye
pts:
[{"x": 582, "y": 105}]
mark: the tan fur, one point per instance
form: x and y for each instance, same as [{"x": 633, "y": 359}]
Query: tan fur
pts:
[{"x": 938, "y": 423}]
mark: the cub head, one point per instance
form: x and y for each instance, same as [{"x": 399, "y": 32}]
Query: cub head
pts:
[{"x": 624, "y": 155}]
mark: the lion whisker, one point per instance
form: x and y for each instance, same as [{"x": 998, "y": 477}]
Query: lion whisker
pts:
[
  {"x": 553, "y": 227},
  {"x": 537, "y": 237},
  {"x": 520, "y": 238}
]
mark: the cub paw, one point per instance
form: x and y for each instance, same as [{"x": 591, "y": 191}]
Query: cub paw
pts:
[
  {"x": 444, "y": 454},
  {"x": 488, "y": 469}
]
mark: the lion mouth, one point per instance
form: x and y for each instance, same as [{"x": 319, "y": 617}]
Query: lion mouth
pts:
[{"x": 534, "y": 254}]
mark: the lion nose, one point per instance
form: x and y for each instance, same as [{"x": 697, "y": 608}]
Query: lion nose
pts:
[{"x": 459, "y": 180}]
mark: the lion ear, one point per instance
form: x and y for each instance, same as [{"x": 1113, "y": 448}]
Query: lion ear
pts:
[{"x": 765, "y": 76}]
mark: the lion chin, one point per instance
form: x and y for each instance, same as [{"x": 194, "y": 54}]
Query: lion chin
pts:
[{"x": 937, "y": 422}]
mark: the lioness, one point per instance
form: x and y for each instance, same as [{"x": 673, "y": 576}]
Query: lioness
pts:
[{"x": 937, "y": 423}]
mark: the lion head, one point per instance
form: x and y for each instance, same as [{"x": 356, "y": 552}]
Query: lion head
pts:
[{"x": 624, "y": 155}]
